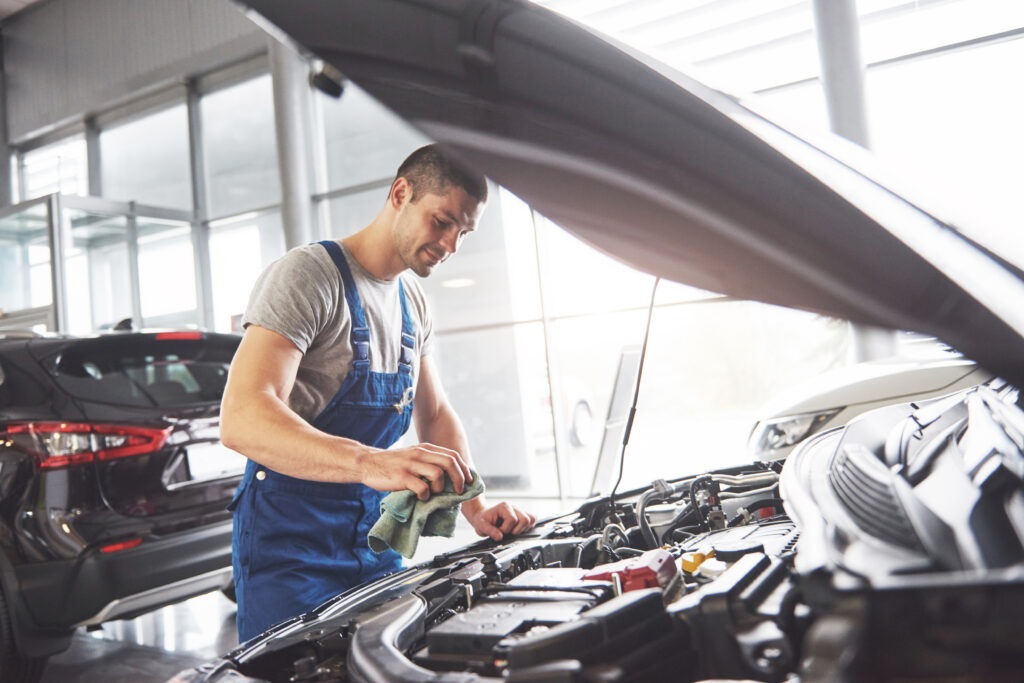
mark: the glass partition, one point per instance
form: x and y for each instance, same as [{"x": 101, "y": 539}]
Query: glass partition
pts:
[
  {"x": 25, "y": 280},
  {"x": 112, "y": 261},
  {"x": 167, "y": 273},
  {"x": 97, "y": 270}
]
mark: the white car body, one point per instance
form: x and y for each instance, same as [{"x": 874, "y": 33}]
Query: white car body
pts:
[{"x": 834, "y": 398}]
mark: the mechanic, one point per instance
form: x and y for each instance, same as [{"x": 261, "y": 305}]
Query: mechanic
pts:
[{"x": 334, "y": 363}]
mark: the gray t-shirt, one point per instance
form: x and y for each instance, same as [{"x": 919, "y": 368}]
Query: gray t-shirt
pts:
[{"x": 301, "y": 296}]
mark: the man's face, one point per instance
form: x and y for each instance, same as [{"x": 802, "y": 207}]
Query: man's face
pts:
[{"x": 431, "y": 229}]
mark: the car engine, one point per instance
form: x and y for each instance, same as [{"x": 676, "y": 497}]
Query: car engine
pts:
[{"x": 891, "y": 549}]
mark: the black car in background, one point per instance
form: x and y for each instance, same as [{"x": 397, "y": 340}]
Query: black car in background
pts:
[{"x": 113, "y": 482}]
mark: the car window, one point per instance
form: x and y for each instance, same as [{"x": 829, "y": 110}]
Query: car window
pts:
[
  {"x": 145, "y": 372},
  {"x": 18, "y": 388}
]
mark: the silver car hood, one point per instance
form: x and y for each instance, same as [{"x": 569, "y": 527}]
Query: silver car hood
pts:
[{"x": 661, "y": 172}]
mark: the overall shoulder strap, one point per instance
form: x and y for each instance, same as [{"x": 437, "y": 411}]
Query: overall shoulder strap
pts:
[{"x": 360, "y": 330}]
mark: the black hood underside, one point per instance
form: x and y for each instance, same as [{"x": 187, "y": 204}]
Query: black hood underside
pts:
[{"x": 661, "y": 172}]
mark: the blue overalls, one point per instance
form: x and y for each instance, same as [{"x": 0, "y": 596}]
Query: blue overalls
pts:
[{"x": 298, "y": 542}]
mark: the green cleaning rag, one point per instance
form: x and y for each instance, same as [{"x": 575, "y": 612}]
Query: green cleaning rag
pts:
[{"x": 404, "y": 517}]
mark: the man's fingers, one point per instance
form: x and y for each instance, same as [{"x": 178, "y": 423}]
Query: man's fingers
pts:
[
  {"x": 448, "y": 460},
  {"x": 420, "y": 487},
  {"x": 525, "y": 523},
  {"x": 505, "y": 517},
  {"x": 431, "y": 474},
  {"x": 486, "y": 528}
]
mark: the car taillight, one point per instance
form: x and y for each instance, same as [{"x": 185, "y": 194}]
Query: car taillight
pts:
[
  {"x": 179, "y": 335},
  {"x": 54, "y": 445}
]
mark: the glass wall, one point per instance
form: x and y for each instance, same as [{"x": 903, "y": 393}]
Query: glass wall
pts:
[
  {"x": 25, "y": 279},
  {"x": 59, "y": 167},
  {"x": 364, "y": 141},
  {"x": 146, "y": 160},
  {"x": 239, "y": 148},
  {"x": 240, "y": 247},
  {"x": 167, "y": 273},
  {"x": 948, "y": 125},
  {"x": 97, "y": 270}
]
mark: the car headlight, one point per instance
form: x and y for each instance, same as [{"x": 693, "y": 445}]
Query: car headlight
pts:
[{"x": 784, "y": 432}]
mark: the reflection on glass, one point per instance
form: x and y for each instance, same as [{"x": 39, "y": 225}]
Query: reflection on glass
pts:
[
  {"x": 147, "y": 160},
  {"x": 167, "y": 279},
  {"x": 365, "y": 141},
  {"x": 25, "y": 260},
  {"x": 496, "y": 380},
  {"x": 59, "y": 167},
  {"x": 240, "y": 248},
  {"x": 97, "y": 272},
  {"x": 240, "y": 152}
]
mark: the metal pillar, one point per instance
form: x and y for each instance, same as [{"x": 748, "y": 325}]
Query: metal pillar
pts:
[
  {"x": 200, "y": 211},
  {"x": 94, "y": 162},
  {"x": 837, "y": 29},
  {"x": 6, "y": 181},
  {"x": 842, "y": 69},
  {"x": 293, "y": 124}
]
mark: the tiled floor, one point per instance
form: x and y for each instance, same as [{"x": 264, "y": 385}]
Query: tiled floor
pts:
[
  {"x": 152, "y": 647},
  {"x": 158, "y": 645}
]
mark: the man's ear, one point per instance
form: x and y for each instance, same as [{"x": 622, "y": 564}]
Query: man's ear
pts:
[{"x": 401, "y": 192}]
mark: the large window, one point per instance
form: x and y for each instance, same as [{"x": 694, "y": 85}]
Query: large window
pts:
[
  {"x": 147, "y": 160},
  {"x": 25, "y": 280},
  {"x": 952, "y": 122},
  {"x": 240, "y": 247},
  {"x": 97, "y": 270},
  {"x": 364, "y": 141},
  {"x": 58, "y": 167},
  {"x": 240, "y": 151},
  {"x": 167, "y": 276}
]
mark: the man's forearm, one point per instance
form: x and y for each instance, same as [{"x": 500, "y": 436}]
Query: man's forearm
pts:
[{"x": 264, "y": 429}]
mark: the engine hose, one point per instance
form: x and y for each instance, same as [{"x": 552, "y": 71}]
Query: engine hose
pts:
[
  {"x": 617, "y": 530},
  {"x": 581, "y": 548},
  {"x": 641, "y": 518}
]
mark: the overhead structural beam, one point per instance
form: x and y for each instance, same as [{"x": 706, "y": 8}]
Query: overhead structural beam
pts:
[{"x": 293, "y": 123}]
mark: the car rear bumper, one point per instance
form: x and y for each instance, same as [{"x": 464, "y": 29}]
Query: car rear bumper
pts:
[{"x": 98, "y": 587}]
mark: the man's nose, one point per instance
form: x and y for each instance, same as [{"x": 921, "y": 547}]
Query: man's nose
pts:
[{"x": 450, "y": 240}]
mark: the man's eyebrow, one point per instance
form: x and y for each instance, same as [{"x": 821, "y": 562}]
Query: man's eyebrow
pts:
[{"x": 450, "y": 216}]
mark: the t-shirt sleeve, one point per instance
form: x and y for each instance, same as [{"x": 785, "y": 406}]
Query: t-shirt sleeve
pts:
[{"x": 291, "y": 297}]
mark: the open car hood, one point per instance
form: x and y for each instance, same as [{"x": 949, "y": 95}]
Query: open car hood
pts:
[{"x": 661, "y": 172}]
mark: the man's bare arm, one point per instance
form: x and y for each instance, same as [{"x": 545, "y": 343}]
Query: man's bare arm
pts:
[
  {"x": 257, "y": 422},
  {"x": 437, "y": 423}
]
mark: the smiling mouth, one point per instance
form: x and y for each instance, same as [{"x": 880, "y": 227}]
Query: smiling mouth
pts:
[{"x": 434, "y": 256}]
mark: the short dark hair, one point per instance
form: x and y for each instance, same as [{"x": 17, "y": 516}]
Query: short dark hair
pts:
[{"x": 431, "y": 171}]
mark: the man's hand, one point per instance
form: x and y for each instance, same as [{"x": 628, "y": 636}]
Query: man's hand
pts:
[
  {"x": 498, "y": 520},
  {"x": 420, "y": 468}
]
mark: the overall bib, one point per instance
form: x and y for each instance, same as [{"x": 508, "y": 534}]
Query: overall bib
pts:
[{"x": 297, "y": 542}]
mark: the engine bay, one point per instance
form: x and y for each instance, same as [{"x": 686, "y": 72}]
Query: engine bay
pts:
[{"x": 846, "y": 564}]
